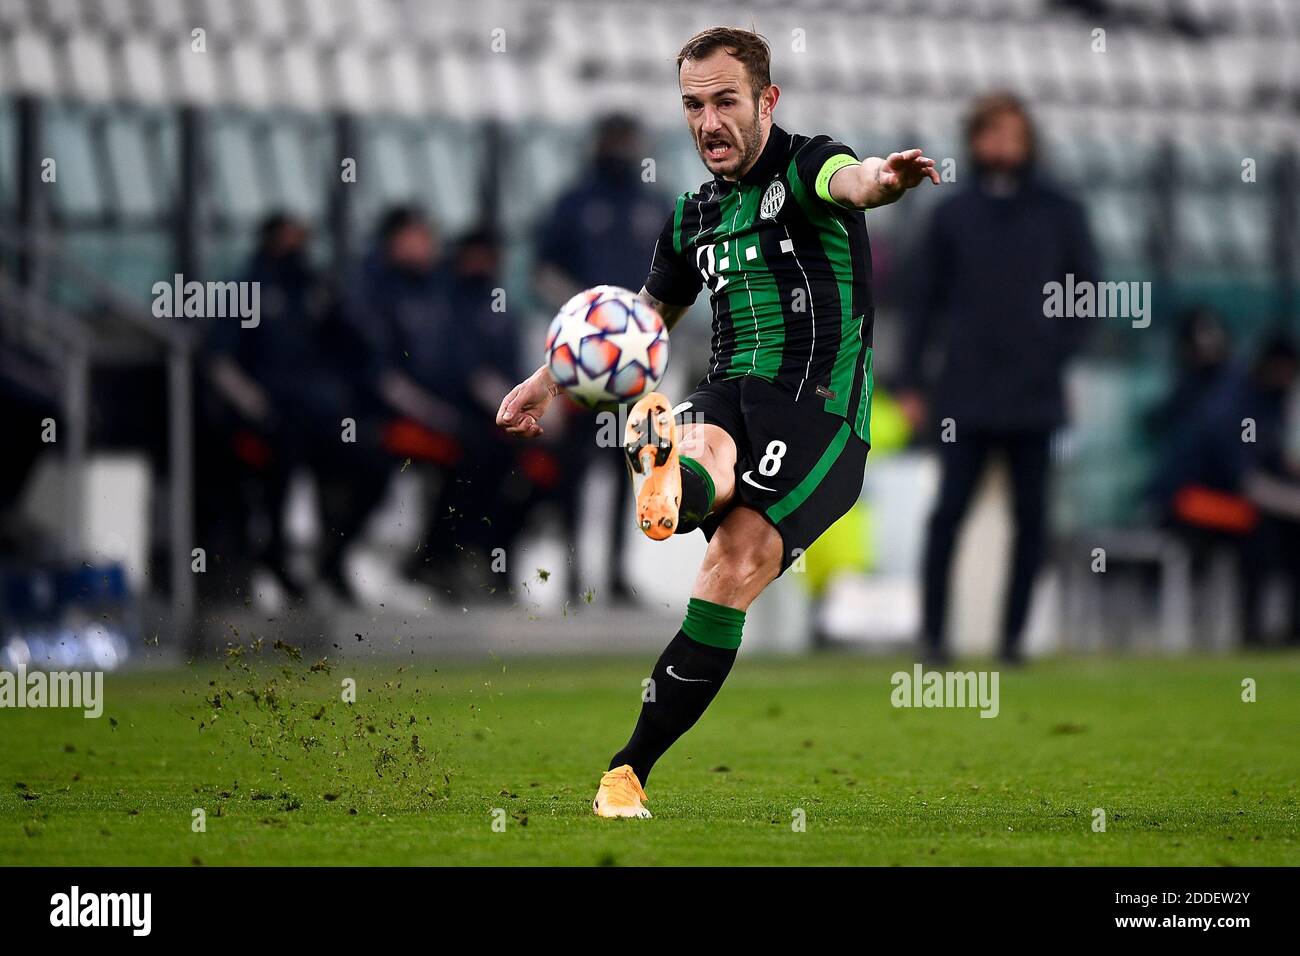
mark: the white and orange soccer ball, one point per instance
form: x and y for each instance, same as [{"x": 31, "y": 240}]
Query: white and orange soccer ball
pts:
[{"x": 606, "y": 346}]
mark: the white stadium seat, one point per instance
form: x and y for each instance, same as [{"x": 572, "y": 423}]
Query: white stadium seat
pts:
[
  {"x": 197, "y": 71},
  {"x": 271, "y": 20},
  {"x": 61, "y": 15},
  {"x": 353, "y": 87},
  {"x": 114, "y": 17},
  {"x": 401, "y": 83},
  {"x": 89, "y": 68},
  {"x": 321, "y": 20},
  {"x": 142, "y": 67},
  {"x": 32, "y": 64},
  {"x": 249, "y": 75},
  {"x": 299, "y": 78}
]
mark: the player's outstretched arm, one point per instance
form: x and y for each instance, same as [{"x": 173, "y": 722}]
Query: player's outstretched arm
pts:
[
  {"x": 878, "y": 182},
  {"x": 522, "y": 409}
]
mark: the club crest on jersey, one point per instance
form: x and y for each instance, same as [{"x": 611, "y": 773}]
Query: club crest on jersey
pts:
[{"x": 773, "y": 200}]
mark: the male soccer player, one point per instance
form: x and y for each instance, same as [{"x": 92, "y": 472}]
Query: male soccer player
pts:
[{"x": 772, "y": 444}]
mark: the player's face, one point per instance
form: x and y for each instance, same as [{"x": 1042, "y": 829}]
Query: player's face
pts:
[
  {"x": 1003, "y": 144},
  {"x": 726, "y": 120}
]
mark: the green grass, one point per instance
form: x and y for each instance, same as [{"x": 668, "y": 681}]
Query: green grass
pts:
[{"x": 412, "y": 772}]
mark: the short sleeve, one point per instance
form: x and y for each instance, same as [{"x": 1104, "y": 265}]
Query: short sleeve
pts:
[
  {"x": 818, "y": 161},
  {"x": 672, "y": 279}
]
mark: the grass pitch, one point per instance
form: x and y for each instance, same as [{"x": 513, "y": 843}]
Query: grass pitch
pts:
[{"x": 429, "y": 757}]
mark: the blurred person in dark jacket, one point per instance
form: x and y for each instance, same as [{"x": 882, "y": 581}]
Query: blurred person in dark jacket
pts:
[
  {"x": 399, "y": 307},
  {"x": 489, "y": 351},
  {"x": 982, "y": 357},
  {"x": 1202, "y": 360},
  {"x": 288, "y": 383},
  {"x": 1203, "y": 356},
  {"x": 440, "y": 345},
  {"x": 1229, "y": 476},
  {"x": 483, "y": 502},
  {"x": 602, "y": 230}
]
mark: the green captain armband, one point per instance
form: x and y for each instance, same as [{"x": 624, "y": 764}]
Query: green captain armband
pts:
[{"x": 829, "y": 169}]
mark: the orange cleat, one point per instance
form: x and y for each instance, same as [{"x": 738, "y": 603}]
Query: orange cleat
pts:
[
  {"x": 651, "y": 446},
  {"x": 620, "y": 795}
]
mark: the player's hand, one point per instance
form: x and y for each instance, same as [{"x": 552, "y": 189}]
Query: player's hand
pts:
[
  {"x": 523, "y": 407},
  {"x": 902, "y": 171}
]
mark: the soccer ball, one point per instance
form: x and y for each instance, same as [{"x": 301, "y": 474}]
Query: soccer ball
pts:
[{"x": 606, "y": 346}]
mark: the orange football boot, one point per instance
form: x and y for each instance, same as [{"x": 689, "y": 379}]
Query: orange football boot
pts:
[
  {"x": 650, "y": 442},
  {"x": 620, "y": 795}
]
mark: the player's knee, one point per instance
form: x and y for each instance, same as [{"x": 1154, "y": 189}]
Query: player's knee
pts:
[{"x": 710, "y": 455}]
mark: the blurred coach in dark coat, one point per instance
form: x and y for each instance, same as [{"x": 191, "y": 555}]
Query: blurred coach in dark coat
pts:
[{"x": 980, "y": 354}]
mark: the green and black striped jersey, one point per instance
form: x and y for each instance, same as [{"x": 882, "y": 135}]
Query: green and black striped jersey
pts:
[{"x": 788, "y": 271}]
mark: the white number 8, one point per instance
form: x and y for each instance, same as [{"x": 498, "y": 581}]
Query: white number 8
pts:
[{"x": 770, "y": 463}]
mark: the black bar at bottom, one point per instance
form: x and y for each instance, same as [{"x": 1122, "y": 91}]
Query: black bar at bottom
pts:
[{"x": 331, "y": 905}]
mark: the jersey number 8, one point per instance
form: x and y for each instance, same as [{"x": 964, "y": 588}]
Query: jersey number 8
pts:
[{"x": 770, "y": 463}]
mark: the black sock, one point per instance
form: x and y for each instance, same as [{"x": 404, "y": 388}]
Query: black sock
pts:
[
  {"x": 697, "y": 495},
  {"x": 678, "y": 699}
]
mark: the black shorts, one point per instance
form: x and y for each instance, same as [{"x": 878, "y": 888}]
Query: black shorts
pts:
[{"x": 797, "y": 465}]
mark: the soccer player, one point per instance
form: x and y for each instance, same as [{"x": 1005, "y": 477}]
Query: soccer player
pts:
[{"x": 769, "y": 450}]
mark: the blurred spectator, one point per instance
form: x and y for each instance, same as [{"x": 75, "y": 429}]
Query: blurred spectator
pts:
[
  {"x": 977, "y": 307},
  {"x": 440, "y": 350},
  {"x": 489, "y": 351},
  {"x": 400, "y": 308},
  {"x": 287, "y": 385},
  {"x": 603, "y": 228},
  {"x": 1227, "y": 478},
  {"x": 600, "y": 231},
  {"x": 1203, "y": 357},
  {"x": 483, "y": 500}
]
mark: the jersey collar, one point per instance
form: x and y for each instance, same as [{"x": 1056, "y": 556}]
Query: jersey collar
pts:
[{"x": 769, "y": 163}]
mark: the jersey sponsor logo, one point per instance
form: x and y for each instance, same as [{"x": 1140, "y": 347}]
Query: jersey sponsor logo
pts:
[
  {"x": 773, "y": 200},
  {"x": 689, "y": 680},
  {"x": 750, "y": 481},
  {"x": 710, "y": 268}
]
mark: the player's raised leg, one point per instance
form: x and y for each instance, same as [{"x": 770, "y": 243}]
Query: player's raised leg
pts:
[
  {"x": 680, "y": 474},
  {"x": 743, "y": 557}
]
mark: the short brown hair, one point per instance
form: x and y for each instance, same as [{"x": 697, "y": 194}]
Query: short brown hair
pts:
[
  {"x": 745, "y": 45},
  {"x": 988, "y": 108}
]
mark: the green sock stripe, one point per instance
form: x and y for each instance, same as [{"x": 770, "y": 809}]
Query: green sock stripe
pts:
[
  {"x": 703, "y": 472},
  {"x": 714, "y": 624}
]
